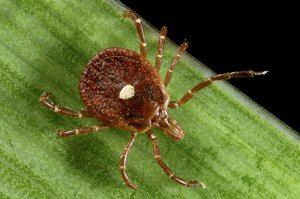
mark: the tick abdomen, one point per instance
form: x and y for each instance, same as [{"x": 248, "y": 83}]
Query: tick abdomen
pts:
[{"x": 110, "y": 73}]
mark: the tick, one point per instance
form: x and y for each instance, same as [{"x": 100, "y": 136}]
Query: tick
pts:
[{"x": 124, "y": 90}]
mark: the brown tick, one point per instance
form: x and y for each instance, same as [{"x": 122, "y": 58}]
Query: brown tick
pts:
[{"x": 124, "y": 90}]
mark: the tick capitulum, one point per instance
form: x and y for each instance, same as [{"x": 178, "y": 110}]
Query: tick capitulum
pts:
[{"x": 124, "y": 90}]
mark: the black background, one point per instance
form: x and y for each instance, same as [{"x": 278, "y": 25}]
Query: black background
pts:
[{"x": 239, "y": 36}]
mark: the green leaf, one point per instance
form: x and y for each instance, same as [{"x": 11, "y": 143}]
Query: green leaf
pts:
[{"x": 234, "y": 146}]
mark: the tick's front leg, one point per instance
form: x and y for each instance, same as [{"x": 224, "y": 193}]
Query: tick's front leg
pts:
[{"x": 44, "y": 99}]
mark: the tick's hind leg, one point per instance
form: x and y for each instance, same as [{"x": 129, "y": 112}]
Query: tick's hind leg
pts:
[
  {"x": 80, "y": 131},
  {"x": 139, "y": 28},
  {"x": 44, "y": 99},
  {"x": 208, "y": 81},
  {"x": 124, "y": 162},
  {"x": 166, "y": 169}
]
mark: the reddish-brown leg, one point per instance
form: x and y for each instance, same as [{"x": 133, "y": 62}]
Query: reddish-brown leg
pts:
[
  {"x": 140, "y": 30},
  {"x": 166, "y": 169},
  {"x": 208, "y": 81},
  {"x": 124, "y": 162},
  {"x": 80, "y": 131},
  {"x": 44, "y": 99},
  {"x": 160, "y": 49},
  {"x": 171, "y": 69}
]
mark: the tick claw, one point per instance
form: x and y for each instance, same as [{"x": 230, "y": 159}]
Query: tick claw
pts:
[
  {"x": 132, "y": 186},
  {"x": 263, "y": 72},
  {"x": 203, "y": 186},
  {"x": 195, "y": 183},
  {"x": 60, "y": 132},
  {"x": 45, "y": 96}
]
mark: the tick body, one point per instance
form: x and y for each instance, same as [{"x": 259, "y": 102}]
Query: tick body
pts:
[
  {"x": 114, "y": 71},
  {"x": 123, "y": 89}
]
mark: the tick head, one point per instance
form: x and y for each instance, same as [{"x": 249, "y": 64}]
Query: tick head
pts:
[{"x": 168, "y": 125}]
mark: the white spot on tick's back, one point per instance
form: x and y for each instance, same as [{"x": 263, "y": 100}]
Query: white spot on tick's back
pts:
[{"x": 127, "y": 92}]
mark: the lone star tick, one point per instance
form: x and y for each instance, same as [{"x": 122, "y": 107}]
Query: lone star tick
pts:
[{"x": 123, "y": 89}]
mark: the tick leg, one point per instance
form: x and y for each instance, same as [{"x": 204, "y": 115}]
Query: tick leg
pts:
[
  {"x": 80, "y": 131},
  {"x": 166, "y": 169},
  {"x": 171, "y": 69},
  {"x": 161, "y": 43},
  {"x": 208, "y": 81},
  {"x": 124, "y": 162},
  {"x": 140, "y": 30},
  {"x": 44, "y": 99}
]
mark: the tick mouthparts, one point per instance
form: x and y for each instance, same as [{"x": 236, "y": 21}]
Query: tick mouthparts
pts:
[{"x": 174, "y": 131}]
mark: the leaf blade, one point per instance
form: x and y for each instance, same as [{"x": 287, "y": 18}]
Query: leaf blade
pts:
[{"x": 231, "y": 144}]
